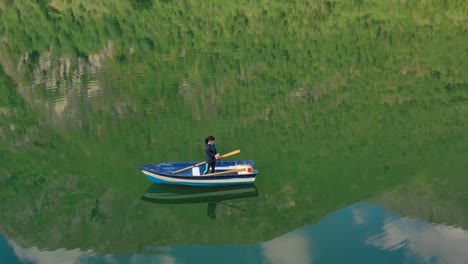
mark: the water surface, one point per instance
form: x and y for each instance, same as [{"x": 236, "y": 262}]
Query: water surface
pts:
[{"x": 354, "y": 113}]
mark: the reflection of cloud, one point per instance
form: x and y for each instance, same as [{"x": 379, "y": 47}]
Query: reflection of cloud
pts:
[
  {"x": 359, "y": 216},
  {"x": 152, "y": 259},
  {"x": 61, "y": 256},
  {"x": 167, "y": 260},
  {"x": 288, "y": 249},
  {"x": 76, "y": 256},
  {"x": 443, "y": 242}
]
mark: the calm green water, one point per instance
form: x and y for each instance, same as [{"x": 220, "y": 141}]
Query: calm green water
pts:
[{"x": 355, "y": 113}]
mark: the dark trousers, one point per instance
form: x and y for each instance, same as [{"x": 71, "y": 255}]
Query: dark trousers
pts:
[{"x": 211, "y": 165}]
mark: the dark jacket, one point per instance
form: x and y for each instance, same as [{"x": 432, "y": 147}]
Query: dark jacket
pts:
[{"x": 210, "y": 153}]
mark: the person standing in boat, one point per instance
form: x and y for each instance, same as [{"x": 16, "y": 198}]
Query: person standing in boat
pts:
[{"x": 211, "y": 154}]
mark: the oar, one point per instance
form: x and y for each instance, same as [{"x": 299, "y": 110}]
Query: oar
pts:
[
  {"x": 184, "y": 169},
  {"x": 224, "y": 172},
  {"x": 201, "y": 163}
]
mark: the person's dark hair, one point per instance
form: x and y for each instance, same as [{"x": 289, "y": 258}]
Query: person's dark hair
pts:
[{"x": 208, "y": 139}]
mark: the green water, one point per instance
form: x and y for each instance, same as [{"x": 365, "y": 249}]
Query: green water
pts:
[{"x": 337, "y": 102}]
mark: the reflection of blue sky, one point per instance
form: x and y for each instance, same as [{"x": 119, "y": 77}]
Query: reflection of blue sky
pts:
[{"x": 361, "y": 233}]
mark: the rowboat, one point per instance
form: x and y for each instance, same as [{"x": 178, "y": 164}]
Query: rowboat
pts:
[
  {"x": 235, "y": 172},
  {"x": 178, "y": 194}
]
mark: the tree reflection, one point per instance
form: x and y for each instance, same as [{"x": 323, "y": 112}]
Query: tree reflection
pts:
[{"x": 142, "y": 4}]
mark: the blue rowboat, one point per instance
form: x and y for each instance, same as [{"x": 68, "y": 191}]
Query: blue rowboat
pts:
[{"x": 235, "y": 172}]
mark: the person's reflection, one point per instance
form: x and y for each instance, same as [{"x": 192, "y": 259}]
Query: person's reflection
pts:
[{"x": 211, "y": 210}]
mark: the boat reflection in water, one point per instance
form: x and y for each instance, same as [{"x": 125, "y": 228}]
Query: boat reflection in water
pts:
[{"x": 212, "y": 195}]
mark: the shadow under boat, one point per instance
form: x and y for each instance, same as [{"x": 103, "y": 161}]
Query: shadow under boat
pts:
[{"x": 179, "y": 194}]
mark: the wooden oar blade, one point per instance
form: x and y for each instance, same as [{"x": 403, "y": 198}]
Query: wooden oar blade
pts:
[
  {"x": 184, "y": 169},
  {"x": 198, "y": 164},
  {"x": 224, "y": 172},
  {"x": 231, "y": 153}
]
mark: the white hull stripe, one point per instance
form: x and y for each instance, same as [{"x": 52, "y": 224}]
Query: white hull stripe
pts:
[{"x": 171, "y": 179}]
